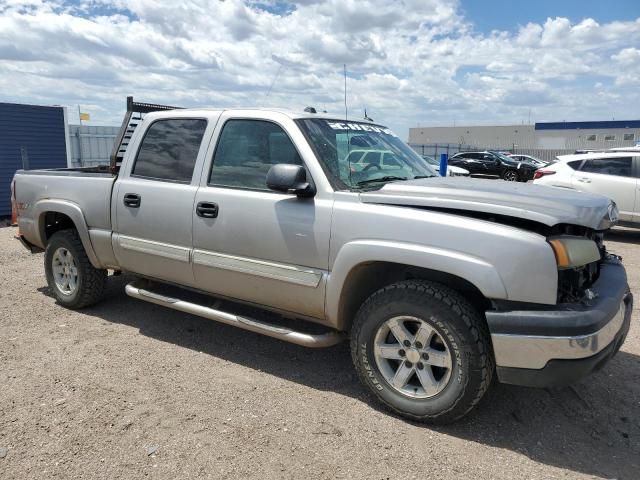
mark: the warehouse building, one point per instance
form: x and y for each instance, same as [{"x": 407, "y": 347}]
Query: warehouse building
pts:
[
  {"x": 31, "y": 136},
  {"x": 39, "y": 136},
  {"x": 552, "y": 138}
]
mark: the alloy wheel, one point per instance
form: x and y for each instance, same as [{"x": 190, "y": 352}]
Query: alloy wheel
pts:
[
  {"x": 413, "y": 357},
  {"x": 65, "y": 271}
]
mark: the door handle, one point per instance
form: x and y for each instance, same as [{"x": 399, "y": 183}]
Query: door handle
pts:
[
  {"x": 207, "y": 210},
  {"x": 132, "y": 200},
  {"x": 584, "y": 180}
]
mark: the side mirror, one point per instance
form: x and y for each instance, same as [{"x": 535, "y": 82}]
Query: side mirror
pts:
[{"x": 288, "y": 178}]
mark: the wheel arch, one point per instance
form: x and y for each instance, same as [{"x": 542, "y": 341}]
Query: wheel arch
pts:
[
  {"x": 356, "y": 277},
  {"x": 55, "y": 215}
]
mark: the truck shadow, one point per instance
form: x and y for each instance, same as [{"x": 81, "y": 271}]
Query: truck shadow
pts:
[{"x": 592, "y": 428}]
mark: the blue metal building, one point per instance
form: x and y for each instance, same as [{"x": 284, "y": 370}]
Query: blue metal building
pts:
[{"x": 31, "y": 136}]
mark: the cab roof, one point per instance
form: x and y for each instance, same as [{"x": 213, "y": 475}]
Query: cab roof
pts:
[{"x": 294, "y": 115}]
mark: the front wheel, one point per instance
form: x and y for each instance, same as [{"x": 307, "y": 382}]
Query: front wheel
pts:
[
  {"x": 510, "y": 176},
  {"x": 74, "y": 282},
  {"x": 422, "y": 350}
]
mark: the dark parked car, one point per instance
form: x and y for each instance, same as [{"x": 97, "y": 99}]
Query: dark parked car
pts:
[{"x": 493, "y": 165}]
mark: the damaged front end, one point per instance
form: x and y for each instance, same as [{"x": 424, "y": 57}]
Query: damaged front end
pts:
[
  {"x": 575, "y": 280},
  {"x": 576, "y": 275}
]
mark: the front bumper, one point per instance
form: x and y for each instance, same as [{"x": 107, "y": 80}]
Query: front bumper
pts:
[{"x": 559, "y": 345}]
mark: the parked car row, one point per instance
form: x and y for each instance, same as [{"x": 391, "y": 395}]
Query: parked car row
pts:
[{"x": 362, "y": 160}]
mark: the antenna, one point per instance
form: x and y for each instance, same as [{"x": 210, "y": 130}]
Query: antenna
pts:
[
  {"x": 367, "y": 117},
  {"x": 345, "y": 119},
  {"x": 345, "y": 92},
  {"x": 272, "y": 84}
]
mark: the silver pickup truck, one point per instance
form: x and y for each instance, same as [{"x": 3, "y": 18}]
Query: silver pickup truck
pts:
[{"x": 441, "y": 283}]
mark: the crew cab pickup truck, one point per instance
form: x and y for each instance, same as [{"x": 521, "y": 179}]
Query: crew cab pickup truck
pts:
[{"x": 441, "y": 283}]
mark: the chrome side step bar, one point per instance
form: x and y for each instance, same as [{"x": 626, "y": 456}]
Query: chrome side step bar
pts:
[{"x": 135, "y": 289}]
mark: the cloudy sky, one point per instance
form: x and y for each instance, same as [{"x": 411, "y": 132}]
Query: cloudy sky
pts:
[{"x": 409, "y": 62}]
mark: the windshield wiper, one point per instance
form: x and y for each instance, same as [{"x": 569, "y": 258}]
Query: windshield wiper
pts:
[
  {"x": 424, "y": 176},
  {"x": 387, "y": 178}
]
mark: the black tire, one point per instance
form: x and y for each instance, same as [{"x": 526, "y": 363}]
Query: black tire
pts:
[
  {"x": 511, "y": 176},
  {"x": 90, "y": 280},
  {"x": 458, "y": 324}
]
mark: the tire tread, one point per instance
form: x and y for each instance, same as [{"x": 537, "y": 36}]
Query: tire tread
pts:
[
  {"x": 93, "y": 279},
  {"x": 458, "y": 304}
]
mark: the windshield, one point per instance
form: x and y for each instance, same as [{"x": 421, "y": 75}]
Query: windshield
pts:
[{"x": 358, "y": 154}]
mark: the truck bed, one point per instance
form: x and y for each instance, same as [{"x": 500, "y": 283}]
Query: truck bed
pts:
[
  {"x": 90, "y": 188},
  {"x": 73, "y": 171}
]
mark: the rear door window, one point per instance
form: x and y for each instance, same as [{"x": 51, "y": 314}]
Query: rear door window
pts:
[
  {"x": 575, "y": 164},
  {"x": 169, "y": 150},
  {"x": 620, "y": 167}
]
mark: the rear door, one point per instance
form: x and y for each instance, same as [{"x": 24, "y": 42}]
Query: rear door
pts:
[
  {"x": 468, "y": 161},
  {"x": 612, "y": 177},
  {"x": 491, "y": 164},
  {"x": 154, "y": 200}
]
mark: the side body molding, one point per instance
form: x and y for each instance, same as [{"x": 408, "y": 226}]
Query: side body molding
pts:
[
  {"x": 473, "y": 269},
  {"x": 74, "y": 212}
]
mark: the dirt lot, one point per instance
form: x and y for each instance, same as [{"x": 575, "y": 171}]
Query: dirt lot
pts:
[{"x": 91, "y": 394}]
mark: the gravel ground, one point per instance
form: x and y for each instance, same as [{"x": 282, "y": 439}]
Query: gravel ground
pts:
[{"x": 127, "y": 389}]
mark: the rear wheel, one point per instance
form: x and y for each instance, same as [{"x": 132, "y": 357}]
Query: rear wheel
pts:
[
  {"x": 510, "y": 176},
  {"x": 422, "y": 350},
  {"x": 74, "y": 282}
]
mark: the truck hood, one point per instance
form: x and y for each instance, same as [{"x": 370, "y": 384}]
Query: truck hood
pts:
[{"x": 546, "y": 205}]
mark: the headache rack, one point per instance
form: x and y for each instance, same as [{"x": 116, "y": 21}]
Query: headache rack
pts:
[{"x": 133, "y": 117}]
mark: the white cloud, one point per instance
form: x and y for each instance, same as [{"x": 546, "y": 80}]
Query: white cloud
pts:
[
  {"x": 627, "y": 57},
  {"x": 409, "y": 61}
]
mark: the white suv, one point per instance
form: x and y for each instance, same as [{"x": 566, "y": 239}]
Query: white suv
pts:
[{"x": 613, "y": 174}]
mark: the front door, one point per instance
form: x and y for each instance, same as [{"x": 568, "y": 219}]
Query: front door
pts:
[
  {"x": 154, "y": 202},
  {"x": 259, "y": 246},
  {"x": 611, "y": 177}
]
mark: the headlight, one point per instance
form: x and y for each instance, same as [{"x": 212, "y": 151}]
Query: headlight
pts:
[{"x": 574, "y": 252}]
